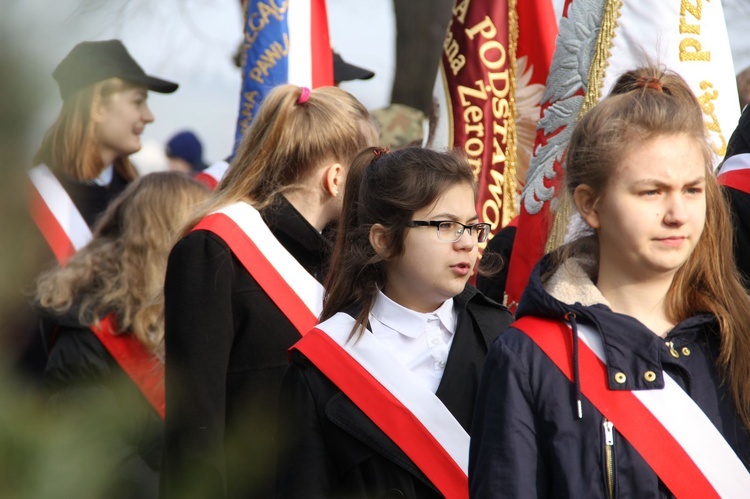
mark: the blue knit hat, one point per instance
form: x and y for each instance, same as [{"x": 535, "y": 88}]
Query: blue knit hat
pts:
[{"x": 185, "y": 145}]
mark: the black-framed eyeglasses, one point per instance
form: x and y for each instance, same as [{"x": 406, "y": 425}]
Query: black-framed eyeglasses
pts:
[{"x": 450, "y": 231}]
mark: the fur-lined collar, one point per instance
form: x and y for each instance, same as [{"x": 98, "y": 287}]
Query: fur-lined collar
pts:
[{"x": 573, "y": 282}]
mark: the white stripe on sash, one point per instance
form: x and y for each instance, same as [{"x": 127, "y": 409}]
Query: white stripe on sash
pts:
[
  {"x": 690, "y": 427},
  {"x": 216, "y": 170},
  {"x": 61, "y": 206},
  {"x": 736, "y": 162},
  {"x": 306, "y": 286},
  {"x": 402, "y": 384}
]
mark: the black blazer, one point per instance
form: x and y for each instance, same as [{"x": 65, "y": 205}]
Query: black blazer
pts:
[
  {"x": 226, "y": 352},
  {"x": 90, "y": 198},
  {"x": 332, "y": 449},
  {"x": 83, "y": 379}
]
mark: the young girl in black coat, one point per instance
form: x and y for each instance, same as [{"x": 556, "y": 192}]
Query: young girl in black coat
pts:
[
  {"x": 379, "y": 398},
  {"x": 628, "y": 371},
  {"x": 244, "y": 281},
  {"x": 83, "y": 162},
  {"x": 103, "y": 328}
]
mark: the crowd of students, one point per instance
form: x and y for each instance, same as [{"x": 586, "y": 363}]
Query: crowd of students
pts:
[{"x": 308, "y": 328}]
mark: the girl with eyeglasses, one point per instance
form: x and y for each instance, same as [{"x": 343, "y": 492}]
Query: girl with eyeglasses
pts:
[{"x": 379, "y": 398}]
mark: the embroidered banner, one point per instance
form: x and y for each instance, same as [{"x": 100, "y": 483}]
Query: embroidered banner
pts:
[
  {"x": 598, "y": 41},
  {"x": 285, "y": 41},
  {"x": 490, "y": 83}
]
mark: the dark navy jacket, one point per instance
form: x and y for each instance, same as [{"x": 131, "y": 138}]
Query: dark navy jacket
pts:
[{"x": 527, "y": 441}]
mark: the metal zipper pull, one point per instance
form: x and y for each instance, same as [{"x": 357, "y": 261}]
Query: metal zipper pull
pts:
[
  {"x": 609, "y": 434},
  {"x": 609, "y": 451}
]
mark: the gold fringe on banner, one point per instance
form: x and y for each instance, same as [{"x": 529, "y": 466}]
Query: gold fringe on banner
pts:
[
  {"x": 510, "y": 186},
  {"x": 595, "y": 80}
]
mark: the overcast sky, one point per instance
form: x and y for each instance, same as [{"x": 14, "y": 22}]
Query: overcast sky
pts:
[{"x": 192, "y": 43}]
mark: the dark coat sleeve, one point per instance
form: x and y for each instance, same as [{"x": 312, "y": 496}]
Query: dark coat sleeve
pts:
[
  {"x": 76, "y": 359},
  {"x": 504, "y": 455},
  {"x": 305, "y": 468},
  {"x": 739, "y": 203},
  {"x": 199, "y": 332},
  {"x": 123, "y": 431}
]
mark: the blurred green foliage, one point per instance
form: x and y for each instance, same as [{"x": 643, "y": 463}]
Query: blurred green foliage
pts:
[
  {"x": 48, "y": 453},
  {"x": 42, "y": 453}
]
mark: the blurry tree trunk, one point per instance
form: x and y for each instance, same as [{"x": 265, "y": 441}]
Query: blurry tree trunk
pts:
[{"x": 420, "y": 30}]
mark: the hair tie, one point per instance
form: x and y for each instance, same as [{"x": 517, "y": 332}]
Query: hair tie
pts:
[
  {"x": 650, "y": 82},
  {"x": 304, "y": 96},
  {"x": 380, "y": 151}
]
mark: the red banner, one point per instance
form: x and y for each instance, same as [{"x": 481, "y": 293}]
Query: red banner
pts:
[{"x": 495, "y": 60}]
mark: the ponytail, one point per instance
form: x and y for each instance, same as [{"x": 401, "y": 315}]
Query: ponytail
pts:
[{"x": 358, "y": 270}]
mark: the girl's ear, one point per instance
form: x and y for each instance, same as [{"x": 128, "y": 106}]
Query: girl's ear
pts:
[
  {"x": 97, "y": 108},
  {"x": 333, "y": 179},
  {"x": 586, "y": 202},
  {"x": 379, "y": 239}
]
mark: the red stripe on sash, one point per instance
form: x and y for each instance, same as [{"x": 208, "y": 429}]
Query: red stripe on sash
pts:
[
  {"x": 258, "y": 266},
  {"x": 631, "y": 418},
  {"x": 206, "y": 179},
  {"x": 736, "y": 179},
  {"x": 50, "y": 228},
  {"x": 141, "y": 366},
  {"x": 386, "y": 411}
]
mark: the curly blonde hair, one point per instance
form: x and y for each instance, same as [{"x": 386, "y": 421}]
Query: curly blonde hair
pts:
[{"x": 121, "y": 271}]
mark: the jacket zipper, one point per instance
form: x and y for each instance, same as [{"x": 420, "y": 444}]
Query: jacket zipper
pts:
[{"x": 609, "y": 456}]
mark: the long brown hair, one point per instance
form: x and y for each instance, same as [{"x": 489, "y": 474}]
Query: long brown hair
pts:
[
  {"x": 121, "y": 271},
  {"x": 647, "y": 103},
  {"x": 70, "y": 145},
  {"x": 287, "y": 140},
  {"x": 383, "y": 188}
]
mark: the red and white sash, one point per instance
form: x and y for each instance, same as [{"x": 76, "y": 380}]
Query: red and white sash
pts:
[
  {"x": 57, "y": 217},
  {"x": 146, "y": 371},
  {"x": 391, "y": 396},
  {"x": 735, "y": 172},
  {"x": 212, "y": 175},
  {"x": 665, "y": 426},
  {"x": 295, "y": 292}
]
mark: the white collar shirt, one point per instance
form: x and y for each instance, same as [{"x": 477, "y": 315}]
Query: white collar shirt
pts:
[
  {"x": 105, "y": 177},
  {"x": 420, "y": 341}
]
